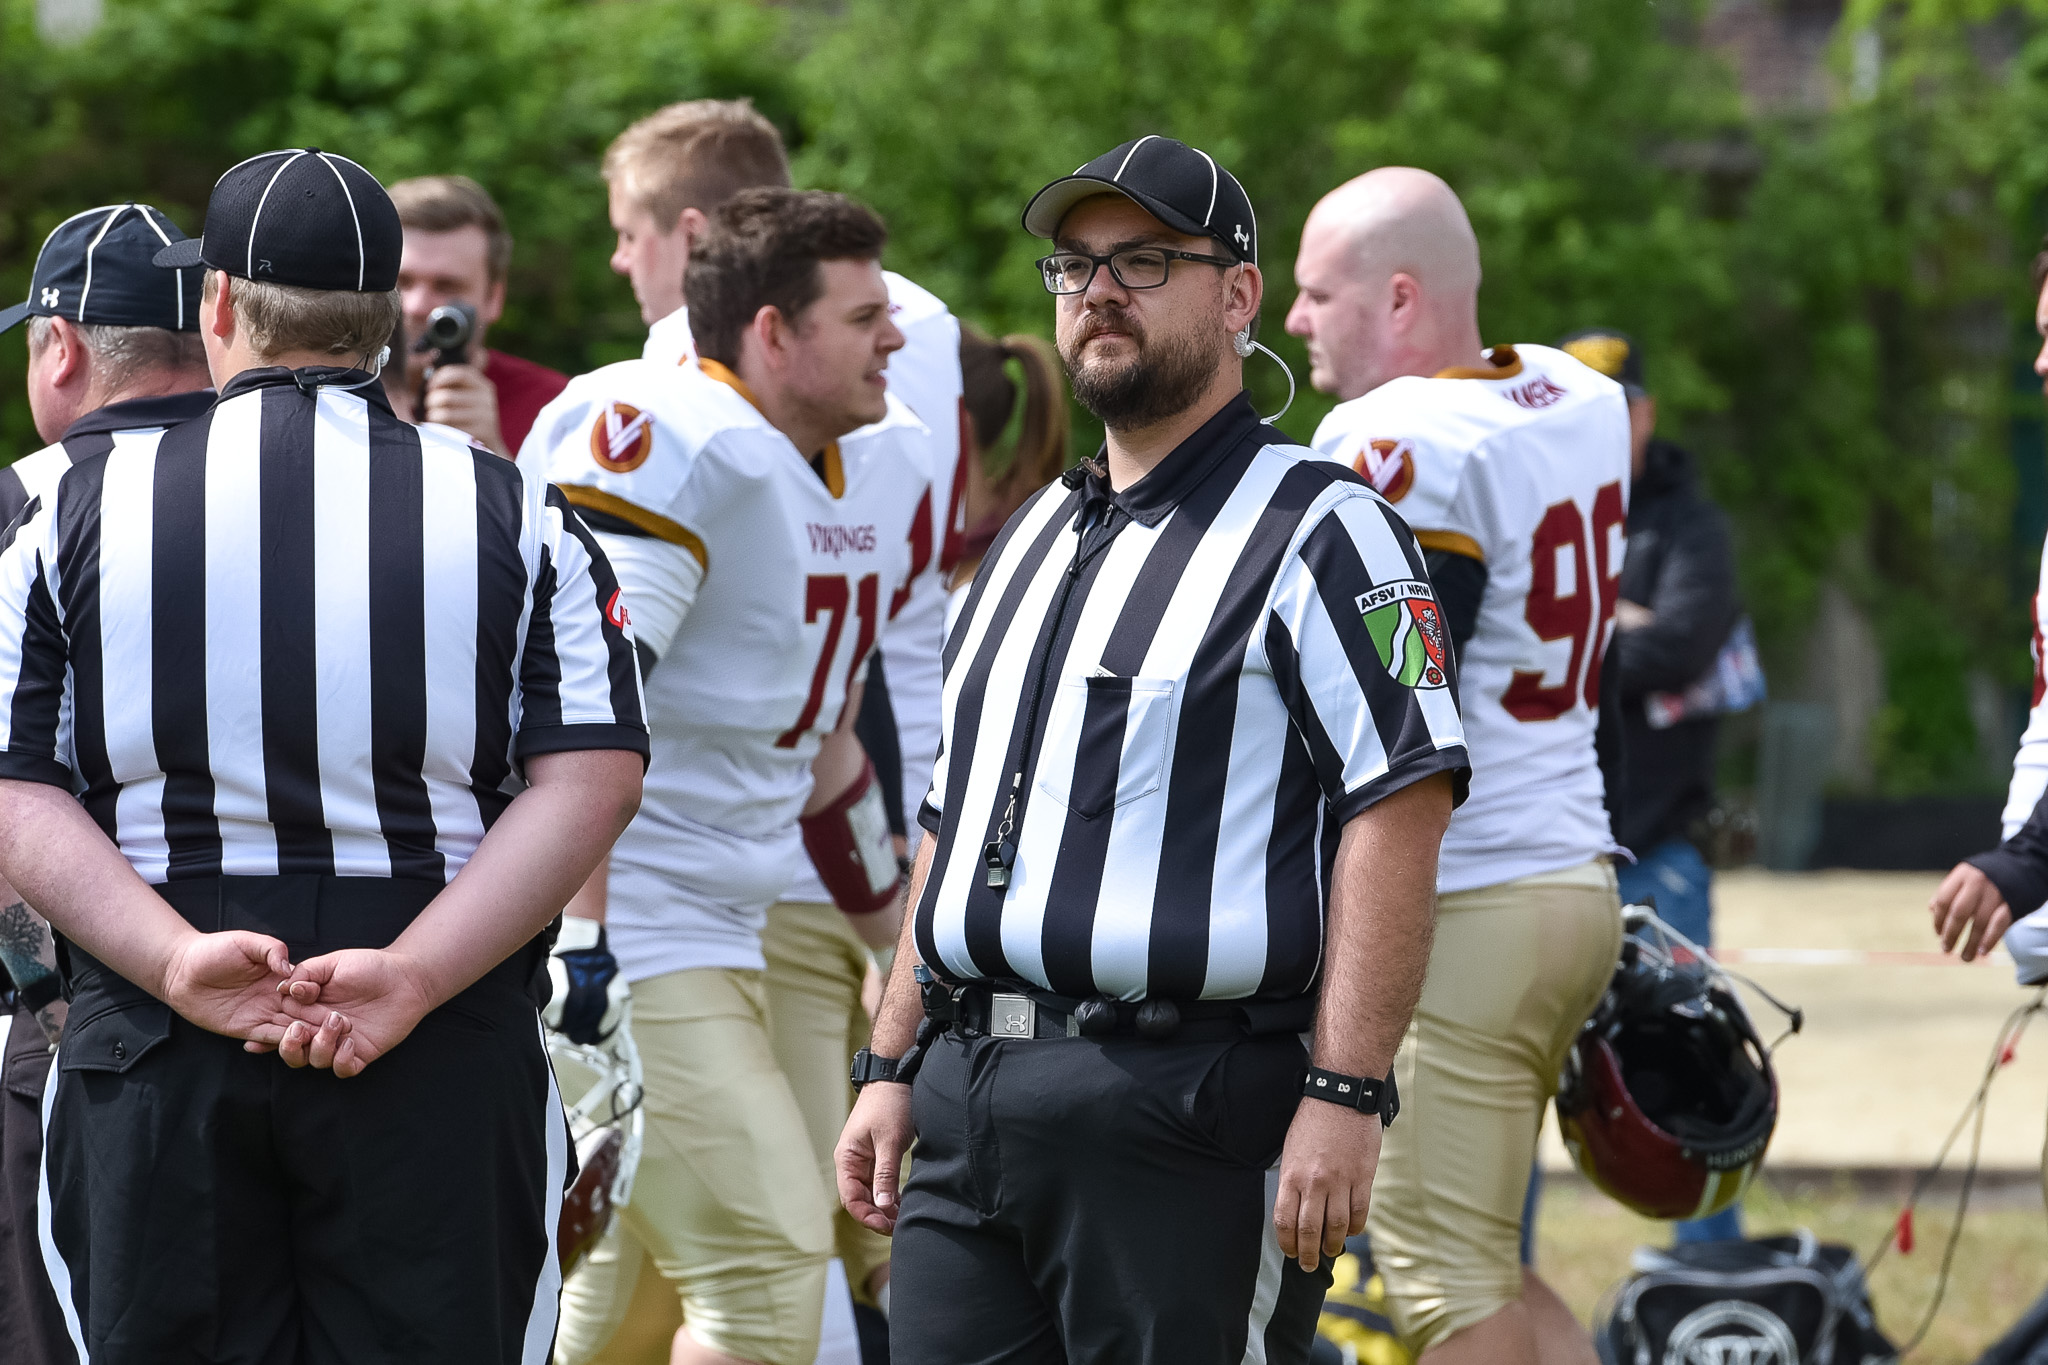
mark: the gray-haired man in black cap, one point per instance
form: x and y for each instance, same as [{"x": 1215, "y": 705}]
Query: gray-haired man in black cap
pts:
[
  {"x": 310, "y": 722},
  {"x": 113, "y": 350},
  {"x": 1201, "y": 742},
  {"x": 113, "y": 342}
]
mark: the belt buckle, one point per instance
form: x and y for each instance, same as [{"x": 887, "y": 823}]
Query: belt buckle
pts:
[{"x": 1012, "y": 1016}]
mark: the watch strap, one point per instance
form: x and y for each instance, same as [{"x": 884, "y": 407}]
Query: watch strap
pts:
[
  {"x": 868, "y": 1067},
  {"x": 1362, "y": 1093}
]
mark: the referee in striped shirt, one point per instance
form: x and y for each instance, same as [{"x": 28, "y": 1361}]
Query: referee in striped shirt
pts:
[
  {"x": 350, "y": 710},
  {"x": 113, "y": 351},
  {"x": 1201, "y": 742}
]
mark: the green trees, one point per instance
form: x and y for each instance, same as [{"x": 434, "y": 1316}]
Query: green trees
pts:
[{"x": 1831, "y": 298}]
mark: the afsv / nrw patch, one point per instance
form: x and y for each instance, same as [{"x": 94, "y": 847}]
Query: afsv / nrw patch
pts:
[{"x": 1407, "y": 628}]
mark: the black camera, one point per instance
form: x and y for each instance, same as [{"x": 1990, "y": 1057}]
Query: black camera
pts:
[{"x": 448, "y": 332}]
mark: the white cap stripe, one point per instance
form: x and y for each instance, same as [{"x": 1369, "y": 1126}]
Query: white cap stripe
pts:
[
  {"x": 249, "y": 264},
  {"x": 113, "y": 217},
  {"x": 177, "y": 276},
  {"x": 1125, "y": 163},
  {"x": 1214, "y": 182},
  {"x": 362, "y": 263}
]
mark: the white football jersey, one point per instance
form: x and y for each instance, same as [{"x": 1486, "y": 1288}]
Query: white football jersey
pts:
[
  {"x": 1524, "y": 465},
  {"x": 787, "y": 576},
  {"x": 925, "y": 374}
]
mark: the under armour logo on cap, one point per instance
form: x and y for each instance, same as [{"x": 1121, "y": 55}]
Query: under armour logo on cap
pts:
[
  {"x": 96, "y": 268},
  {"x": 318, "y": 220},
  {"x": 1243, "y": 238}
]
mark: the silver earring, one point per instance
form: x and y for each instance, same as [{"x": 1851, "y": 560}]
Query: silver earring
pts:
[{"x": 1242, "y": 342}]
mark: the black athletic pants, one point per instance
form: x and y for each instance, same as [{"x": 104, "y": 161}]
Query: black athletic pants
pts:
[
  {"x": 1100, "y": 1203},
  {"x": 216, "y": 1205},
  {"x": 31, "y": 1325}
]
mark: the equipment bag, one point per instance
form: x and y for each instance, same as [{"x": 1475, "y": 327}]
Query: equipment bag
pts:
[{"x": 1768, "y": 1301}]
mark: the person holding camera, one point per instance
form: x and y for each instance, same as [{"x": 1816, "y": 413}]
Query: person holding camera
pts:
[{"x": 457, "y": 252}]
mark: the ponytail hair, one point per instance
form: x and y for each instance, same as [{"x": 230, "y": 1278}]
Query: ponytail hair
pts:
[{"x": 989, "y": 397}]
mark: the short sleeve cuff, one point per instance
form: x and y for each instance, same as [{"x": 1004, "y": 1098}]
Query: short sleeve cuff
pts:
[
  {"x": 2022, "y": 880},
  {"x": 929, "y": 816},
  {"x": 1453, "y": 760},
  {"x": 25, "y": 767},
  {"x": 562, "y": 739}
]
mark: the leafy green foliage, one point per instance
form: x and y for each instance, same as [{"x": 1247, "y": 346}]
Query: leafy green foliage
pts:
[
  {"x": 521, "y": 94},
  {"x": 1828, "y": 300}
]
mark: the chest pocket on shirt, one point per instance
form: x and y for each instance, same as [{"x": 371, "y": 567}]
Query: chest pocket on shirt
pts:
[{"x": 1118, "y": 731}]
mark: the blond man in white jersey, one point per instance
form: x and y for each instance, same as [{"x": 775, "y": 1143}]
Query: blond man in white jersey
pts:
[{"x": 1512, "y": 467}]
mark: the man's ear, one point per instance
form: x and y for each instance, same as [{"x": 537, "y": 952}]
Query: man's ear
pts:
[
  {"x": 68, "y": 360},
  {"x": 492, "y": 306},
  {"x": 691, "y": 223},
  {"x": 216, "y": 308},
  {"x": 1404, "y": 298},
  {"x": 774, "y": 334},
  {"x": 1247, "y": 290}
]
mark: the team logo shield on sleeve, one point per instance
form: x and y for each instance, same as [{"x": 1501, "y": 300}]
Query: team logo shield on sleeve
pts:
[
  {"x": 1407, "y": 628},
  {"x": 622, "y": 438}
]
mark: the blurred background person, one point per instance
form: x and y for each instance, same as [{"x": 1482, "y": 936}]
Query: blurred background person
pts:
[
  {"x": 458, "y": 251},
  {"x": 1677, "y": 608},
  {"x": 1984, "y": 897},
  {"x": 995, "y": 483},
  {"x": 666, "y": 175}
]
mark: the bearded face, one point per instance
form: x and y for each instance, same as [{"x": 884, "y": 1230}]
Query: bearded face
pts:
[{"x": 1131, "y": 373}]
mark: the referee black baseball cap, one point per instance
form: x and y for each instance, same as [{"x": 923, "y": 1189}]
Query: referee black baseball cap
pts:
[
  {"x": 95, "y": 268},
  {"x": 1614, "y": 354},
  {"x": 1181, "y": 186},
  {"x": 299, "y": 216}
]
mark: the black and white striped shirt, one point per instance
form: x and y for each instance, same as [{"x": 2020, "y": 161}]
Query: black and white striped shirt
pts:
[
  {"x": 36, "y": 475},
  {"x": 297, "y": 635},
  {"x": 1188, "y": 688}
]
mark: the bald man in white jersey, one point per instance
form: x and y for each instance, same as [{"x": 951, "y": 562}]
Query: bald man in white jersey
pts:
[{"x": 1512, "y": 467}]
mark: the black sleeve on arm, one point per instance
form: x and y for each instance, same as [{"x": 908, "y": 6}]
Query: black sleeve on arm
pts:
[
  {"x": 1695, "y": 607},
  {"x": 1610, "y": 742},
  {"x": 613, "y": 525},
  {"x": 2019, "y": 866},
  {"x": 1460, "y": 583},
  {"x": 875, "y": 727}
]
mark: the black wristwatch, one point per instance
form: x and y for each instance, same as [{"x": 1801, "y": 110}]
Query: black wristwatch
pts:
[
  {"x": 868, "y": 1067},
  {"x": 1353, "y": 1092}
]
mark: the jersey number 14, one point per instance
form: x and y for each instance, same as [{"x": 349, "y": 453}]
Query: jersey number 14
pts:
[{"x": 1582, "y": 615}]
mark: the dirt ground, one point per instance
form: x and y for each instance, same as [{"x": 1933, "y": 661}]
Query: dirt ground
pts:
[{"x": 1895, "y": 1041}]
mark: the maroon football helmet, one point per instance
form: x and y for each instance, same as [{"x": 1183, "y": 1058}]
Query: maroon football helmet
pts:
[{"x": 1667, "y": 1099}]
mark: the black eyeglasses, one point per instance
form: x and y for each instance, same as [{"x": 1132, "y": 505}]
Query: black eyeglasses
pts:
[{"x": 1138, "y": 267}]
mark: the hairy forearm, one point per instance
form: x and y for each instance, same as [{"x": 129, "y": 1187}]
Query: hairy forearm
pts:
[
  {"x": 1382, "y": 918},
  {"x": 62, "y": 863},
  {"x": 535, "y": 858},
  {"x": 902, "y": 1004}
]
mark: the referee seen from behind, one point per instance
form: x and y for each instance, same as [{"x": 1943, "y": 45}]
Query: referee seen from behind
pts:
[
  {"x": 1201, "y": 741},
  {"x": 113, "y": 353},
  {"x": 349, "y": 722}
]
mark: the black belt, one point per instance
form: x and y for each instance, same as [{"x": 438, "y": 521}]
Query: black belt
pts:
[{"x": 1004, "y": 1009}]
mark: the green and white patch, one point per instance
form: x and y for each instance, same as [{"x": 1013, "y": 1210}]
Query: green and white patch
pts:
[{"x": 1407, "y": 629}]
